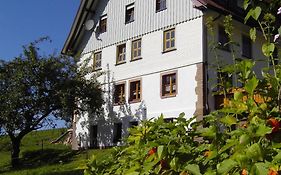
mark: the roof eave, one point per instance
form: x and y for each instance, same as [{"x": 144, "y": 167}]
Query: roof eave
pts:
[{"x": 77, "y": 26}]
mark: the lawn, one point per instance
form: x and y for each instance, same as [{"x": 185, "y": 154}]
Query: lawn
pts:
[{"x": 49, "y": 159}]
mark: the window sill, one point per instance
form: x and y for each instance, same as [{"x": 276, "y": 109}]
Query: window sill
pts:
[
  {"x": 160, "y": 10},
  {"x": 128, "y": 22},
  {"x": 169, "y": 50},
  {"x": 135, "y": 101},
  {"x": 135, "y": 59},
  {"x": 168, "y": 96},
  {"x": 119, "y": 63}
]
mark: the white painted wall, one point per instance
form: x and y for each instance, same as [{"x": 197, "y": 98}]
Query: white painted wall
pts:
[{"x": 188, "y": 53}]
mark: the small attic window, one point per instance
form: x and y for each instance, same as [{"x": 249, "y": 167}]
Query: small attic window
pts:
[
  {"x": 160, "y": 5},
  {"x": 103, "y": 23},
  {"x": 130, "y": 10}
]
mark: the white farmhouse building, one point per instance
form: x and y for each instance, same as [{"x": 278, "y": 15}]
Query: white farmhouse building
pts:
[{"x": 156, "y": 59}]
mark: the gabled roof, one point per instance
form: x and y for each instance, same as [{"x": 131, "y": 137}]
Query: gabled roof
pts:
[{"x": 86, "y": 7}]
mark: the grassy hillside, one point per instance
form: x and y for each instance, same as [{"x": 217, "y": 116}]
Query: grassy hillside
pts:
[{"x": 50, "y": 159}]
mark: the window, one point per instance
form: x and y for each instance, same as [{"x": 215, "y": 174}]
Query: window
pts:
[
  {"x": 130, "y": 10},
  {"x": 223, "y": 39},
  {"x": 119, "y": 93},
  {"x": 117, "y": 132},
  {"x": 135, "y": 91},
  {"x": 169, "y": 85},
  {"x": 97, "y": 61},
  {"x": 121, "y": 54},
  {"x": 169, "y": 40},
  {"x": 246, "y": 47},
  {"x": 103, "y": 24},
  {"x": 160, "y": 5},
  {"x": 136, "y": 49}
]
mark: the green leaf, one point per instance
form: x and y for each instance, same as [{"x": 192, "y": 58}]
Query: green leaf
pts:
[
  {"x": 132, "y": 173},
  {"x": 262, "y": 130},
  {"x": 173, "y": 163},
  {"x": 277, "y": 158},
  {"x": 253, "y": 33},
  {"x": 254, "y": 152},
  {"x": 193, "y": 169},
  {"x": 279, "y": 31},
  {"x": 256, "y": 13},
  {"x": 251, "y": 85},
  {"x": 160, "y": 151},
  {"x": 260, "y": 169},
  {"x": 244, "y": 139},
  {"x": 208, "y": 132},
  {"x": 238, "y": 95},
  {"x": 228, "y": 145},
  {"x": 268, "y": 49},
  {"x": 229, "y": 120},
  {"x": 249, "y": 14},
  {"x": 226, "y": 166},
  {"x": 246, "y": 4}
]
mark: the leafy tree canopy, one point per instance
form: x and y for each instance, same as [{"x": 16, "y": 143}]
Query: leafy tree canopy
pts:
[{"x": 34, "y": 87}]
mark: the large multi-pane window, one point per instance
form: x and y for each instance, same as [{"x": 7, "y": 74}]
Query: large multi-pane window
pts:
[
  {"x": 169, "y": 40},
  {"x": 136, "y": 49},
  {"x": 119, "y": 93},
  {"x": 169, "y": 85},
  {"x": 160, "y": 5},
  {"x": 121, "y": 54},
  {"x": 97, "y": 61},
  {"x": 246, "y": 46},
  {"x": 103, "y": 24},
  {"x": 130, "y": 11},
  {"x": 135, "y": 91}
]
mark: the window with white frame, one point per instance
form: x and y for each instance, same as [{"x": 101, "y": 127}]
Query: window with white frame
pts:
[{"x": 130, "y": 13}]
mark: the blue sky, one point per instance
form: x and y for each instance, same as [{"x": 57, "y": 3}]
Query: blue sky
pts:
[{"x": 23, "y": 21}]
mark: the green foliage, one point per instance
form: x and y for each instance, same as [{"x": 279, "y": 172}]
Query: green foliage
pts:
[
  {"x": 243, "y": 137},
  {"x": 54, "y": 159},
  {"x": 33, "y": 87}
]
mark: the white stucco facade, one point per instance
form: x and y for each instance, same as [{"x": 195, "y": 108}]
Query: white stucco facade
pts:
[
  {"x": 149, "y": 69},
  {"x": 190, "y": 60}
]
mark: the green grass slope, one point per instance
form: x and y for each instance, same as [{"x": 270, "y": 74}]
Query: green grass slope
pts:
[{"x": 40, "y": 157}]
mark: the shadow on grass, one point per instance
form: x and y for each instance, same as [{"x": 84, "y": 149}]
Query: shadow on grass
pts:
[
  {"x": 73, "y": 172},
  {"x": 38, "y": 158}
]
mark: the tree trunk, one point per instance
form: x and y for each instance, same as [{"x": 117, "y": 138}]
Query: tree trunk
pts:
[{"x": 15, "y": 152}]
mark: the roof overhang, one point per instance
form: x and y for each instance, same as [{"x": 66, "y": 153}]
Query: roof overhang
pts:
[{"x": 77, "y": 29}]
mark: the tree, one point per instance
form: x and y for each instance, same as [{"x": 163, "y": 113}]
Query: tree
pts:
[{"x": 34, "y": 87}]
